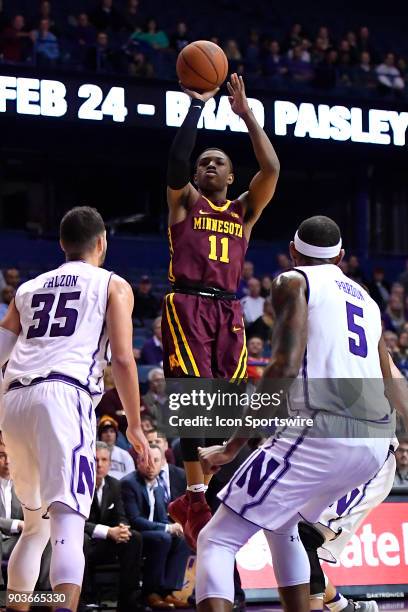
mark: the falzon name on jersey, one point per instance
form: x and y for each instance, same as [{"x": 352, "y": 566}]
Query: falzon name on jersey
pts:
[
  {"x": 340, "y": 123},
  {"x": 63, "y": 280}
]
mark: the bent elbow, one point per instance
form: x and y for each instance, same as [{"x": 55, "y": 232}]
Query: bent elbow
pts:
[{"x": 122, "y": 362}]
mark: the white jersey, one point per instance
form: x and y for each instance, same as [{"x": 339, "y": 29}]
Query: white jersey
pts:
[
  {"x": 341, "y": 370},
  {"x": 63, "y": 327}
]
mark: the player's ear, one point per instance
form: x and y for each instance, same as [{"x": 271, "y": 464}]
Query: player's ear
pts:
[
  {"x": 340, "y": 257},
  {"x": 292, "y": 252},
  {"x": 61, "y": 245},
  {"x": 230, "y": 179}
]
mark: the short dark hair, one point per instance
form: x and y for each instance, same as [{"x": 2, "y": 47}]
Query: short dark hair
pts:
[
  {"x": 79, "y": 229},
  {"x": 319, "y": 231},
  {"x": 215, "y": 149}
]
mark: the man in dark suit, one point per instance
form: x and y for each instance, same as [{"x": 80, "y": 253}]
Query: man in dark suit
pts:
[
  {"x": 152, "y": 349},
  {"x": 11, "y": 523},
  {"x": 171, "y": 477},
  {"x": 108, "y": 536},
  {"x": 165, "y": 550}
]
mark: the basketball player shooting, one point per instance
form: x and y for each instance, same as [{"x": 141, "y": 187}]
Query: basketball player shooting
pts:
[
  {"x": 55, "y": 337},
  {"x": 327, "y": 328},
  {"x": 202, "y": 324}
]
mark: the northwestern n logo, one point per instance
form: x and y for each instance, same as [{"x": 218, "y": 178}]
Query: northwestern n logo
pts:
[
  {"x": 256, "y": 481},
  {"x": 85, "y": 470}
]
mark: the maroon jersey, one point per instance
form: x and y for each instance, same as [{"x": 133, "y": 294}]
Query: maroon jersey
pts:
[{"x": 208, "y": 248}]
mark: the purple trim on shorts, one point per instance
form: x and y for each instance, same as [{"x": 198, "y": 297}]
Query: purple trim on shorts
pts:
[
  {"x": 53, "y": 377},
  {"x": 75, "y": 450},
  {"x": 100, "y": 335},
  {"x": 90, "y": 411}
]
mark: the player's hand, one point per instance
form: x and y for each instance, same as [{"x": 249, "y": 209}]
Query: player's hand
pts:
[
  {"x": 176, "y": 529},
  {"x": 138, "y": 440},
  {"x": 237, "y": 95},
  {"x": 213, "y": 457},
  {"x": 204, "y": 97}
]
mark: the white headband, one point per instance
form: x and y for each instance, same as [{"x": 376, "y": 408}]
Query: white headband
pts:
[{"x": 316, "y": 251}]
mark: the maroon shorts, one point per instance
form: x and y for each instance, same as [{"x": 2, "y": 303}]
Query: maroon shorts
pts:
[{"x": 203, "y": 336}]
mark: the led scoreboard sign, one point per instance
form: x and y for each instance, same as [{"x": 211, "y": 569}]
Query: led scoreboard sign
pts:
[{"x": 152, "y": 106}]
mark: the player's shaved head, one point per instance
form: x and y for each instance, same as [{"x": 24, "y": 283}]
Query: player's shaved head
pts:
[
  {"x": 80, "y": 229},
  {"x": 319, "y": 231}
]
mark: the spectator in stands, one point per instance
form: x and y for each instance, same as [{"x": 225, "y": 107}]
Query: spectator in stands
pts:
[
  {"x": 398, "y": 290},
  {"x": 108, "y": 537},
  {"x": 139, "y": 66},
  {"x": 103, "y": 57},
  {"x": 252, "y": 54},
  {"x": 84, "y": 34},
  {"x": 164, "y": 547},
  {"x": 152, "y": 350},
  {"x": 7, "y": 295},
  {"x": 273, "y": 64},
  {"x": 324, "y": 34},
  {"x": 401, "y": 355},
  {"x": 284, "y": 264},
  {"x": 256, "y": 359},
  {"x": 364, "y": 43},
  {"x": 326, "y": 72},
  {"x": 294, "y": 37},
  {"x": 111, "y": 406},
  {"x": 345, "y": 68},
  {"x": 107, "y": 17},
  {"x": 389, "y": 77},
  {"x": 266, "y": 285},
  {"x": 351, "y": 38},
  {"x": 379, "y": 288},
  {"x": 157, "y": 39},
  {"x": 233, "y": 53},
  {"x": 146, "y": 304},
  {"x": 394, "y": 316},
  {"x": 147, "y": 423},
  {"x": 354, "y": 269},
  {"x": 252, "y": 304},
  {"x": 181, "y": 37},
  {"x": 364, "y": 76},
  {"x": 403, "y": 278},
  {"x": 262, "y": 327},
  {"x": 121, "y": 462},
  {"x": 391, "y": 342},
  {"x": 299, "y": 70},
  {"x": 171, "y": 477},
  {"x": 15, "y": 41},
  {"x": 401, "y": 457},
  {"x": 156, "y": 400},
  {"x": 12, "y": 522},
  {"x": 12, "y": 277},
  {"x": 305, "y": 46},
  {"x": 133, "y": 17},
  {"x": 46, "y": 46},
  {"x": 45, "y": 12},
  {"x": 247, "y": 273}
]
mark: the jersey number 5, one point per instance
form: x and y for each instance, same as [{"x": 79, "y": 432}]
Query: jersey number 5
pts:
[
  {"x": 46, "y": 300},
  {"x": 357, "y": 348},
  {"x": 213, "y": 249}
]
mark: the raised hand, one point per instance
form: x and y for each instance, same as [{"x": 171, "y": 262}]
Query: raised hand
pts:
[
  {"x": 237, "y": 95},
  {"x": 204, "y": 97}
]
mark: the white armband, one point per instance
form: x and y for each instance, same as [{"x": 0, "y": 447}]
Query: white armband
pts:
[{"x": 7, "y": 342}]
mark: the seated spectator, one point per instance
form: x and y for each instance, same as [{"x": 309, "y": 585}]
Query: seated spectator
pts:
[
  {"x": 326, "y": 72},
  {"x": 273, "y": 64},
  {"x": 84, "y": 34},
  {"x": 389, "y": 77},
  {"x": 379, "y": 288},
  {"x": 299, "y": 70},
  {"x": 252, "y": 54},
  {"x": 263, "y": 326},
  {"x": 147, "y": 423},
  {"x": 12, "y": 523},
  {"x": 133, "y": 17},
  {"x": 401, "y": 457},
  {"x": 305, "y": 46},
  {"x": 364, "y": 43},
  {"x": 266, "y": 285},
  {"x": 319, "y": 50},
  {"x": 139, "y": 67},
  {"x": 351, "y": 38},
  {"x": 284, "y": 264},
  {"x": 345, "y": 68},
  {"x": 157, "y": 39},
  {"x": 103, "y": 57},
  {"x": 324, "y": 34},
  {"x": 146, "y": 304},
  {"x": 256, "y": 360},
  {"x": 152, "y": 349},
  {"x": 12, "y": 277},
  {"x": 7, "y": 295},
  {"x": 401, "y": 354},
  {"x": 108, "y": 537},
  {"x": 171, "y": 477},
  {"x": 46, "y": 45},
  {"x": 247, "y": 273},
  {"x": 121, "y": 463},
  {"x": 155, "y": 400},
  {"x": 181, "y": 38},
  {"x": 164, "y": 548},
  {"x": 394, "y": 316},
  {"x": 364, "y": 76},
  {"x": 233, "y": 53},
  {"x": 252, "y": 304},
  {"x": 45, "y": 12},
  {"x": 391, "y": 342},
  {"x": 354, "y": 270},
  {"x": 398, "y": 290},
  {"x": 107, "y": 17},
  {"x": 15, "y": 41},
  {"x": 294, "y": 37}
]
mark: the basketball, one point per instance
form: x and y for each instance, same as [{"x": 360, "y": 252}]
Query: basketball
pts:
[{"x": 202, "y": 66}]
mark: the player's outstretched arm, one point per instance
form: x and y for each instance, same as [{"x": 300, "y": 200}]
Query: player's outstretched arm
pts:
[
  {"x": 120, "y": 332},
  {"x": 180, "y": 192},
  {"x": 10, "y": 328},
  {"x": 263, "y": 185}
]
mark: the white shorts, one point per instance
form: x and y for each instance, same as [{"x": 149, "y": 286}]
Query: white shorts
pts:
[
  {"x": 350, "y": 511},
  {"x": 49, "y": 430},
  {"x": 299, "y": 475}
]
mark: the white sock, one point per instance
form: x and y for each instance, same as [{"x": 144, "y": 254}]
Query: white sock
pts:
[
  {"x": 338, "y": 603},
  {"x": 197, "y": 488}
]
